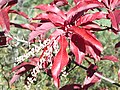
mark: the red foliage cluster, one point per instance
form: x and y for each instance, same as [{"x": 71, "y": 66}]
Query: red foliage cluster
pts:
[{"x": 74, "y": 33}]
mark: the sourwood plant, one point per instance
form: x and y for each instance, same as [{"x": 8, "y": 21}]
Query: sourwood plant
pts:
[{"x": 63, "y": 37}]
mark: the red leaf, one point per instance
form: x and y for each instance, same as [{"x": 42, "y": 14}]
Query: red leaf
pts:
[
  {"x": 91, "y": 26},
  {"x": 90, "y": 17},
  {"x": 28, "y": 26},
  {"x": 56, "y": 19},
  {"x": 111, "y": 4},
  {"x": 117, "y": 45},
  {"x": 91, "y": 70},
  {"x": 79, "y": 1},
  {"x": 78, "y": 54},
  {"x": 41, "y": 16},
  {"x": 111, "y": 58},
  {"x": 103, "y": 88},
  {"x": 76, "y": 1},
  {"x": 119, "y": 75},
  {"x": 24, "y": 26},
  {"x": 114, "y": 3},
  {"x": 27, "y": 65},
  {"x": 106, "y": 3},
  {"x": 82, "y": 6},
  {"x": 59, "y": 3},
  {"x": 115, "y": 19},
  {"x": 93, "y": 52},
  {"x": 90, "y": 81},
  {"x": 2, "y": 3},
  {"x": 78, "y": 42},
  {"x": 7, "y": 2},
  {"x": 71, "y": 87},
  {"x": 34, "y": 59},
  {"x": 14, "y": 78},
  {"x": 56, "y": 33},
  {"x": 41, "y": 30},
  {"x": 60, "y": 60},
  {"x": 35, "y": 24},
  {"x": 19, "y": 13},
  {"x": 4, "y": 19},
  {"x": 21, "y": 69},
  {"x": 75, "y": 18},
  {"x": 51, "y": 8},
  {"x": 8, "y": 40},
  {"x": 88, "y": 37}
]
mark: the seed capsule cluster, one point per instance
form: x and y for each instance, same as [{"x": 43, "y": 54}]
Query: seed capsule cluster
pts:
[
  {"x": 33, "y": 52},
  {"x": 47, "y": 49}
]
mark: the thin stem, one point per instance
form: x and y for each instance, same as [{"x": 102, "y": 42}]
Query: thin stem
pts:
[
  {"x": 72, "y": 69},
  {"x": 80, "y": 65},
  {"x": 68, "y": 70}
]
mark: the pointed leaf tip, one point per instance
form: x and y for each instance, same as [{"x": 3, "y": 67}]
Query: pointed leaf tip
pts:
[
  {"x": 88, "y": 36},
  {"x": 60, "y": 60},
  {"x": 111, "y": 58}
]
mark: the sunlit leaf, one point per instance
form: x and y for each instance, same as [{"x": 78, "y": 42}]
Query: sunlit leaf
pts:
[
  {"x": 79, "y": 55},
  {"x": 115, "y": 19},
  {"x": 88, "y": 37},
  {"x": 119, "y": 74},
  {"x": 90, "y": 17},
  {"x": 60, "y": 60},
  {"x": 7, "y": 3},
  {"x": 41, "y": 30},
  {"x": 90, "y": 81},
  {"x": 51, "y": 8},
  {"x": 83, "y": 6},
  {"x": 59, "y": 3},
  {"x": 21, "y": 69},
  {"x": 23, "y": 26},
  {"x": 111, "y": 58},
  {"x": 4, "y": 19}
]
